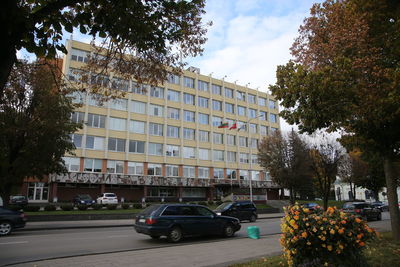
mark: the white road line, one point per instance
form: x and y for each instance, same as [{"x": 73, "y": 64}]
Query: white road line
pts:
[{"x": 16, "y": 242}]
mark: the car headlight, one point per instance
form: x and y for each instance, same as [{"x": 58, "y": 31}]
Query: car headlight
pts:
[
  {"x": 218, "y": 213},
  {"x": 82, "y": 202}
]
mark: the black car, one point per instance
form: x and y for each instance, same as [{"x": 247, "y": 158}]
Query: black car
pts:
[
  {"x": 380, "y": 205},
  {"x": 176, "y": 221},
  {"x": 19, "y": 200},
  {"x": 83, "y": 200},
  {"x": 311, "y": 206},
  {"x": 10, "y": 220},
  {"x": 243, "y": 210},
  {"x": 362, "y": 209}
]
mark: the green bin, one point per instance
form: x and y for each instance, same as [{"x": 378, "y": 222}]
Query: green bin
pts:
[{"x": 253, "y": 232}]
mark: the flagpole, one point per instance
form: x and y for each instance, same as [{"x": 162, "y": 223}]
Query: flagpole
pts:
[{"x": 250, "y": 159}]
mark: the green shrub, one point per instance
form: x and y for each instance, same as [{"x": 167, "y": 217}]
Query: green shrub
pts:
[
  {"x": 67, "y": 207},
  {"x": 218, "y": 202},
  {"x": 32, "y": 208},
  {"x": 15, "y": 207},
  {"x": 330, "y": 238},
  {"x": 203, "y": 203},
  {"x": 137, "y": 205},
  {"x": 82, "y": 207},
  {"x": 97, "y": 206},
  {"x": 125, "y": 206},
  {"x": 111, "y": 206},
  {"x": 50, "y": 208},
  {"x": 210, "y": 203}
]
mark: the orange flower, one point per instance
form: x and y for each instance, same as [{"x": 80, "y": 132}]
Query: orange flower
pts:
[
  {"x": 343, "y": 222},
  {"x": 341, "y": 231},
  {"x": 359, "y": 236},
  {"x": 296, "y": 217},
  {"x": 332, "y": 232},
  {"x": 304, "y": 234},
  {"x": 361, "y": 244},
  {"x": 357, "y": 220},
  {"x": 329, "y": 247}
]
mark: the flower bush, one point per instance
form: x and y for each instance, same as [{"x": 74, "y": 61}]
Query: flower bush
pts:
[{"x": 323, "y": 238}]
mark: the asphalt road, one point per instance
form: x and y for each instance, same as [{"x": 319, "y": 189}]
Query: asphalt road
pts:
[{"x": 38, "y": 245}]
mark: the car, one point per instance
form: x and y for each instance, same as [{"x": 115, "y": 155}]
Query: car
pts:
[
  {"x": 10, "y": 220},
  {"x": 311, "y": 206},
  {"x": 380, "y": 205},
  {"x": 362, "y": 209},
  {"x": 107, "y": 198},
  {"x": 176, "y": 221},
  {"x": 243, "y": 210},
  {"x": 19, "y": 200},
  {"x": 84, "y": 199}
]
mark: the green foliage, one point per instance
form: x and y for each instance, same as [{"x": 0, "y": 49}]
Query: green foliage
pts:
[
  {"x": 137, "y": 205},
  {"x": 210, "y": 203},
  {"x": 82, "y": 207},
  {"x": 97, "y": 206},
  {"x": 32, "y": 208},
  {"x": 50, "y": 207},
  {"x": 111, "y": 206},
  {"x": 125, "y": 206},
  {"x": 203, "y": 203},
  {"x": 218, "y": 202},
  {"x": 67, "y": 207}
]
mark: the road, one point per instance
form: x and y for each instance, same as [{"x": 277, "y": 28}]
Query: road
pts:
[{"x": 38, "y": 245}]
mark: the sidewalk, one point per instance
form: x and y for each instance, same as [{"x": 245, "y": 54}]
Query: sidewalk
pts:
[{"x": 53, "y": 225}]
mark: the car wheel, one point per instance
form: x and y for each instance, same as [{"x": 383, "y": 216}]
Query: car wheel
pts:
[
  {"x": 253, "y": 218},
  {"x": 175, "y": 235},
  {"x": 155, "y": 236},
  {"x": 379, "y": 217},
  {"x": 5, "y": 228},
  {"x": 228, "y": 230}
]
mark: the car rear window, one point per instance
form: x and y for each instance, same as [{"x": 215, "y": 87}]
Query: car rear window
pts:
[
  {"x": 110, "y": 195},
  {"x": 171, "y": 211},
  {"x": 150, "y": 210},
  {"x": 361, "y": 206}
]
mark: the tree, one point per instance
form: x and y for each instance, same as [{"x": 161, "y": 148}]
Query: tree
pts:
[
  {"x": 157, "y": 32},
  {"x": 35, "y": 126},
  {"x": 353, "y": 169},
  {"x": 326, "y": 158},
  {"x": 286, "y": 160},
  {"x": 345, "y": 76}
]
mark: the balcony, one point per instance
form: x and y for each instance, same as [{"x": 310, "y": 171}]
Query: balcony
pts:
[{"x": 120, "y": 179}]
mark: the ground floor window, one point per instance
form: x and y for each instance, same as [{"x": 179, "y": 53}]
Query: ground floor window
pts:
[
  {"x": 162, "y": 192},
  {"x": 38, "y": 191},
  {"x": 194, "y": 192}
]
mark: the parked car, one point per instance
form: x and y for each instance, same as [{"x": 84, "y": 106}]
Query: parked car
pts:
[
  {"x": 19, "y": 200},
  {"x": 176, "y": 221},
  {"x": 311, "y": 206},
  {"x": 10, "y": 220},
  {"x": 83, "y": 200},
  {"x": 380, "y": 205},
  {"x": 362, "y": 209},
  {"x": 243, "y": 210},
  {"x": 107, "y": 198}
]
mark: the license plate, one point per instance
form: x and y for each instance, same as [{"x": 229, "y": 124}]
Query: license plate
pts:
[{"x": 142, "y": 220}]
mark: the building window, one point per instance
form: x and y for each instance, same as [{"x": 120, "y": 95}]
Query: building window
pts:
[
  {"x": 189, "y": 152},
  {"x": 189, "y": 172},
  {"x": 241, "y": 111},
  {"x": 204, "y": 154},
  {"x": 230, "y": 156},
  {"x": 172, "y": 131},
  {"x": 157, "y": 92},
  {"x": 252, "y": 99},
  {"x": 202, "y": 102},
  {"x": 253, "y": 128},
  {"x": 156, "y": 129},
  {"x": 138, "y": 107},
  {"x": 242, "y": 126},
  {"x": 114, "y": 166},
  {"x": 262, "y": 101},
  {"x": 94, "y": 142},
  {"x": 263, "y": 115},
  {"x": 72, "y": 164},
  {"x": 78, "y": 117},
  {"x": 77, "y": 140},
  {"x": 188, "y": 116},
  {"x": 230, "y": 140},
  {"x": 217, "y": 105},
  {"x": 136, "y": 146},
  {"x": 229, "y": 108},
  {"x": 242, "y": 141},
  {"x": 204, "y": 172},
  {"x": 172, "y": 151},
  {"x": 188, "y": 99},
  {"x": 188, "y": 134},
  {"x": 137, "y": 127},
  {"x": 252, "y": 113},
  {"x": 202, "y": 86},
  {"x": 135, "y": 168},
  {"x": 173, "y": 113},
  {"x": 230, "y": 173},
  {"x": 204, "y": 136},
  {"x": 273, "y": 118},
  {"x": 228, "y": 93},
  {"x": 272, "y": 104},
  {"x": 79, "y": 55},
  {"x": 253, "y": 142},
  {"x": 173, "y": 95},
  {"x": 216, "y": 89},
  {"x": 273, "y": 129},
  {"x": 96, "y": 120},
  {"x": 243, "y": 175},
  {"x": 119, "y": 104},
  {"x": 116, "y": 144},
  {"x": 218, "y": 155},
  {"x": 188, "y": 82},
  {"x": 95, "y": 100},
  {"x": 173, "y": 78},
  {"x": 204, "y": 119},
  {"x": 92, "y": 165},
  {"x": 156, "y": 110},
  {"x": 218, "y": 138},
  {"x": 263, "y": 130},
  {"x": 243, "y": 157},
  {"x": 241, "y": 95},
  {"x": 154, "y": 169},
  {"x": 218, "y": 173},
  {"x": 216, "y": 121},
  {"x": 117, "y": 124},
  {"x": 172, "y": 170},
  {"x": 254, "y": 159},
  {"x": 155, "y": 149},
  {"x": 138, "y": 88},
  {"x": 120, "y": 84}
]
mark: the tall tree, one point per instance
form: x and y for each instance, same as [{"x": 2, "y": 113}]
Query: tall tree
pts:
[
  {"x": 345, "y": 76},
  {"x": 157, "y": 32},
  {"x": 352, "y": 170},
  {"x": 35, "y": 126},
  {"x": 286, "y": 160}
]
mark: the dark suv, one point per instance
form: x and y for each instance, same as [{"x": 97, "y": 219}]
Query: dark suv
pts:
[
  {"x": 243, "y": 210},
  {"x": 362, "y": 209},
  {"x": 178, "y": 220}
]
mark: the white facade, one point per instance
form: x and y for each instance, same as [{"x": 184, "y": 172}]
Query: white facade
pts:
[{"x": 342, "y": 192}]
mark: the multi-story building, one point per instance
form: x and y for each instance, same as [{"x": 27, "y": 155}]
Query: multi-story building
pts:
[{"x": 166, "y": 141}]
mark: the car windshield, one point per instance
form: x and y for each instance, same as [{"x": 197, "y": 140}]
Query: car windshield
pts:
[
  {"x": 85, "y": 197},
  {"x": 18, "y": 197},
  {"x": 224, "y": 206}
]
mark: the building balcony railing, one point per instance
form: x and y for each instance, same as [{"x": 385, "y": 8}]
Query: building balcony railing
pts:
[{"x": 120, "y": 179}]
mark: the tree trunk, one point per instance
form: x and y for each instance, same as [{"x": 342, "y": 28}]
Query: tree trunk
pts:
[
  {"x": 291, "y": 192},
  {"x": 391, "y": 184}
]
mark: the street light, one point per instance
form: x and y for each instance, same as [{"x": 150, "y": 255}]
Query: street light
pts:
[{"x": 250, "y": 159}]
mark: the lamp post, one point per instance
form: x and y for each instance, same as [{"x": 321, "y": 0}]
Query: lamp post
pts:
[{"x": 250, "y": 159}]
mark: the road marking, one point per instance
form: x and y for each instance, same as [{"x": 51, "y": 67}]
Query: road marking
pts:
[{"x": 16, "y": 242}]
